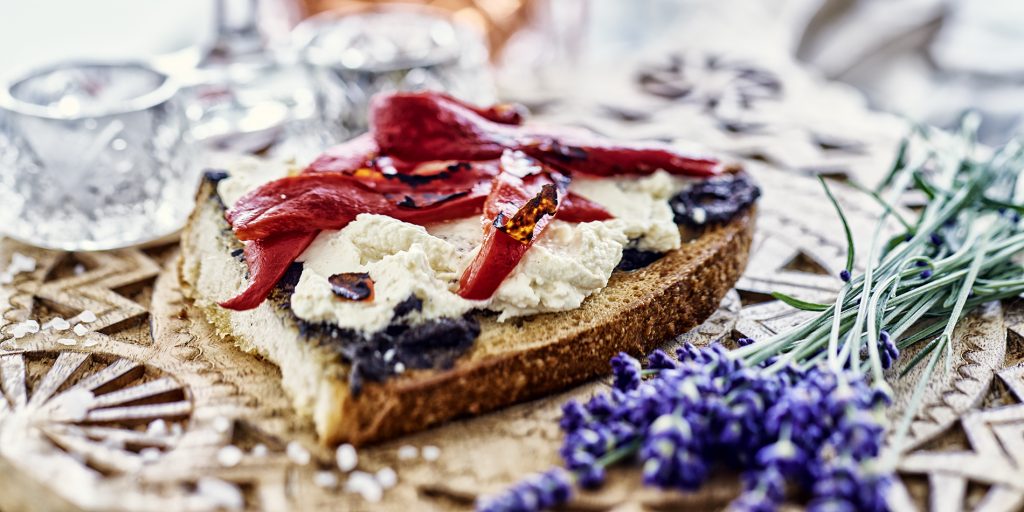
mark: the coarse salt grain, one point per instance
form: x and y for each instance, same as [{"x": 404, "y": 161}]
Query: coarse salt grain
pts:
[
  {"x": 57, "y": 324},
  {"x": 260, "y": 450},
  {"x": 229, "y": 456},
  {"x": 399, "y": 368},
  {"x": 325, "y": 479},
  {"x": 87, "y": 317},
  {"x": 346, "y": 457},
  {"x": 19, "y": 330},
  {"x": 431, "y": 453},
  {"x": 89, "y": 343},
  {"x": 298, "y": 453},
  {"x": 386, "y": 477},
  {"x": 149, "y": 454},
  {"x": 79, "y": 269},
  {"x": 21, "y": 263},
  {"x": 408, "y": 452},
  {"x": 157, "y": 427},
  {"x": 177, "y": 430},
  {"x": 220, "y": 494},
  {"x": 365, "y": 485},
  {"x": 221, "y": 424},
  {"x": 66, "y": 341},
  {"x": 81, "y": 330}
]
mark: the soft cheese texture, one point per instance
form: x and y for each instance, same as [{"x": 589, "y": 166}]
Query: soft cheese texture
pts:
[
  {"x": 570, "y": 262},
  {"x": 246, "y": 174},
  {"x": 566, "y": 265},
  {"x": 639, "y": 205},
  {"x": 401, "y": 258}
]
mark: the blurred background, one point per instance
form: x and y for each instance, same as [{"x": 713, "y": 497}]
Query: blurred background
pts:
[
  {"x": 926, "y": 59},
  {"x": 181, "y": 84}
]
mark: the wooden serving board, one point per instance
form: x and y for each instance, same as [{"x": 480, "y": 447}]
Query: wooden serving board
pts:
[{"x": 149, "y": 411}]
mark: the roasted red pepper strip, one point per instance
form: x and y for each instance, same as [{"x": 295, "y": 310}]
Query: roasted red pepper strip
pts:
[
  {"x": 331, "y": 200},
  {"x": 502, "y": 113},
  {"x": 520, "y": 209},
  {"x": 268, "y": 260},
  {"x": 576, "y": 208},
  {"x": 423, "y": 126}
]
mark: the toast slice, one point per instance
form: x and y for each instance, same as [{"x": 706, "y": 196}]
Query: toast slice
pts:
[{"x": 509, "y": 362}]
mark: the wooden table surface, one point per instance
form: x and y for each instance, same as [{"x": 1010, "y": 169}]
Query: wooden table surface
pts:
[{"x": 149, "y": 411}]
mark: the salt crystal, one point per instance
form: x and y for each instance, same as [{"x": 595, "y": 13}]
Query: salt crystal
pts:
[
  {"x": 19, "y": 330},
  {"x": 66, "y": 341},
  {"x": 399, "y": 368},
  {"x": 407, "y": 452},
  {"x": 387, "y": 478},
  {"x": 389, "y": 354},
  {"x": 21, "y": 263},
  {"x": 220, "y": 494},
  {"x": 325, "y": 479},
  {"x": 364, "y": 484},
  {"x": 229, "y": 456},
  {"x": 6, "y": 278},
  {"x": 79, "y": 269},
  {"x": 431, "y": 453},
  {"x": 177, "y": 430},
  {"x": 346, "y": 457},
  {"x": 298, "y": 453},
  {"x": 89, "y": 343},
  {"x": 87, "y": 317},
  {"x": 71, "y": 406},
  {"x": 150, "y": 454},
  {"x": 157, "y": 427},
  {"x": 81, "y": 330},
  {"x": 260, "y": 450},
  {"x": 57, "y": 324},
  {"x": 222, "y": 424}
]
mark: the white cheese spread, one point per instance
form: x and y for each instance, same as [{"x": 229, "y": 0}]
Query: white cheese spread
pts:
[
  {"x": 639, "y": 205},
  {"x": 402, "y": 260},
  {"x": 247, "y": 174},
  {"x": 567, "y": 264}
]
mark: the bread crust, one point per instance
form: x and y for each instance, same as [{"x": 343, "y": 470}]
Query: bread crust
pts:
[{"x": 512, "y": 361}]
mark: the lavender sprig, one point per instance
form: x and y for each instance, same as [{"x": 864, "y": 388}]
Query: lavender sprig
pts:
[
  {"x": 803, "y": 408},
  {"x": 709, "y": 409}
]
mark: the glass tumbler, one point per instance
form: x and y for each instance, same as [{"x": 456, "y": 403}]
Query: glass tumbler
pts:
[
  {"x": 94, "y": 156},
  {"x": 353, "y": 54}
]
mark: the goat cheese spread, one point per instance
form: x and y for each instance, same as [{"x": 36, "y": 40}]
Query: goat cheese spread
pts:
[{"x": 570, "y": 262}]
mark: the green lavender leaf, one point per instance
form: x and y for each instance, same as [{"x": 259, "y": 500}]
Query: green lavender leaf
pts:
[{"x": 800, "y": 304}]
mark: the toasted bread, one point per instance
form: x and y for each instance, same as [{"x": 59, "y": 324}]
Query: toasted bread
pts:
[{"x": 509, "y": 362}]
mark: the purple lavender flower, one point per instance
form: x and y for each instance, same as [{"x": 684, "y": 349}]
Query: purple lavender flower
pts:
[
  {"x": 668, "y": 455},
  {"x": 887, "y": 349},
  {"x": 809, "y": 427},
  {"x": 626, "y": 370},
  {"x": 745, "y": 341},
  {"x": 925, "y": 274},
  {"x": 659, "y": 360},
  {"x": 537, "y": 492},
  {"x": 845, "y": 275},
  {"x": 574, "y": 415}
]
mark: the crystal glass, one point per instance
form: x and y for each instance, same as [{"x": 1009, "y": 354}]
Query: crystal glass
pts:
[
  {"x": 353, "y": 54},
  {"x": 94, "y": 156},
  {"x": 245, "y": 94}
]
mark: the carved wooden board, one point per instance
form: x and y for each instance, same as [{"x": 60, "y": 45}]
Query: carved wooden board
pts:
[{"x": 147, "y": 411}]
